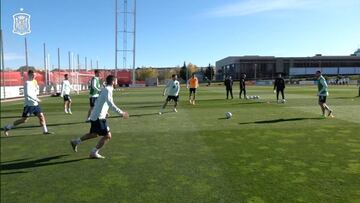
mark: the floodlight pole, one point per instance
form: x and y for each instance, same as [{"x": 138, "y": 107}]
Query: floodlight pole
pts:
[
  {"x": 134, "y": 44},
  {"x": 2, "y": 55},
  {"x": 2, "y": 61},
  {"x": 116, "y": 36},
  {"x": 86, "y": 63},
  {"x": 125, "y": 14},
  {"x": 77, "y": 74},
  {"x": 48, "y": 68},
  {"x": 58, "y": 81},
  {"x": 45, "y": 65}
]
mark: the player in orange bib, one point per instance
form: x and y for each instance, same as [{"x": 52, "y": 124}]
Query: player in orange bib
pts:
[{"x": 193, "y": 84}]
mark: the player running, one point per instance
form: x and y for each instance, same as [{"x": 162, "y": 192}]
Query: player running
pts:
[
  {"x": 65, "y": 93},
  {"x": 99, "y": 126},
  {"x": 31, "y": 105},
  {"x": 172, "y": 89},
  {"x": 323, "y": 93},
  {"x": 192, "y": 85},
  {"x": 94, "y": 92}
]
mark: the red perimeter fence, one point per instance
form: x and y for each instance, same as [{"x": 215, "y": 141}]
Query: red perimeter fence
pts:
[{"x": 17, "y": 78}]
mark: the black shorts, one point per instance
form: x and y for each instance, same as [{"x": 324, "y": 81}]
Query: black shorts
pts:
[
  {"x": 192, "y": 90},
  {"x": 175, "y": 98},
  {"x": 28, "y": 110},
  {"x": 92, "y": 101},
  {"x": 67, "y": 98},
  {"x": 99, "y": 127},
  {"x": 322, "y": 99}
]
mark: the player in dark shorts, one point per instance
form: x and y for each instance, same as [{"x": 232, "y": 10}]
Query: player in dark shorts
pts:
[
  {"x": 228, "y": 84},
  {"x": 31, "y": 106},
  {"x": 172, "y": 89},
  {"x": 279, "y": 86},
  {"x": 242, "y": 86},
  {"x": 99, "y": 126},
  {"x": 323, "y": 93},
  {"x": 193, "y": 84}
]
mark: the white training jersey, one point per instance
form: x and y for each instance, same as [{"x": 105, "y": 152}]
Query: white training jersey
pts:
[
  {"x": 65, "y": 87},
  {"x": 173, "y": 88},
  {"x": 30, "y": 93},
  {"x": 102, "y": 104}
]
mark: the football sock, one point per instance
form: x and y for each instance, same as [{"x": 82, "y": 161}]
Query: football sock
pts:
[
  {"x": 9, "y": 126},
  {"x": 94, "y": 150},
  {"x": 45, "y": 128},
  {"x": 77, "y": 140}
]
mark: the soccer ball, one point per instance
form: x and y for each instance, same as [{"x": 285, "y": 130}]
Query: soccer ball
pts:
[{"x": 228, "y": 115}]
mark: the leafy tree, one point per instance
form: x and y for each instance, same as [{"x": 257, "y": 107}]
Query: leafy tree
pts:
[
  {"x": 187, "y": 70},
  {"x": 25, "y": 68},
  {"x": 183, "y": 71},
  {"x": 165, "y": 74},
  {"x": 210, "y": 72},
  {"x": 143, "y": 73},
  {"x": 192, "y": 69}
]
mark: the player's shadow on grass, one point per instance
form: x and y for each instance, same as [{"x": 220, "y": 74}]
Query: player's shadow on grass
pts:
[
  {"x": 346, "y": 97},
  {"x": 49, "y": 124},
  {"x": 279, "y": 120},
  {"x": 10, "y": 117},
  {"x": 146, "y": 114},
  {"x": 16, "y": 160},
  {"x": 148, "y": 106},
  {"x": 15, "y": 172},
  {"x": 247, "y": 103},
  {"x": 34, "y": 163}
]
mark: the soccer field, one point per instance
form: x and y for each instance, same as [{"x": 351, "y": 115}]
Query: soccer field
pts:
[{"x": 267, "y": 152}]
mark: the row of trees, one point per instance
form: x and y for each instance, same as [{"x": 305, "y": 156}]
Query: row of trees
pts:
[{"x": 183, "y": 72}]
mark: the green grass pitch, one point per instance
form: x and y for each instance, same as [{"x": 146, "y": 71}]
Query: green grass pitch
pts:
[{"x": 267, "y": 152}]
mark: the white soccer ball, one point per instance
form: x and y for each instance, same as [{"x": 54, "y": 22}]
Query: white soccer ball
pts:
[{"x": 228, "y": 115}]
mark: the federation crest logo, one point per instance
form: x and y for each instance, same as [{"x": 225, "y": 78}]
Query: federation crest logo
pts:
[{"x": 21, "y": 24}]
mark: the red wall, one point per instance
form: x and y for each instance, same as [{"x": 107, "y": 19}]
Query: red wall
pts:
[{"x": 14, "y": 78}]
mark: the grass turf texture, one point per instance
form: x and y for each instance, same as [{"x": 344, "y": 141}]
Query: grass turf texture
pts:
[{"x": 267, "y": 152}]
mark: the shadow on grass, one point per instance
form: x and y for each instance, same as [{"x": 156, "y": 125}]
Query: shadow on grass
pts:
[
  {"x": 279, "y": 120},
  {"x": 16, "y": 160},
  {"x": 354, "y": 97},
  {"x": 247, "y": 103},
  {"x": 51, "y": 124},
  {"x": 149, "y": 106},
  {"x": 15, "y": 172},
  {"x": 141, "y": 115},
  {"x": 36, "y": 163},
  {"x": 10, "y": 117},
  {"x": 146, "y": 114},
  {"x": 17, "y": 136}
]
